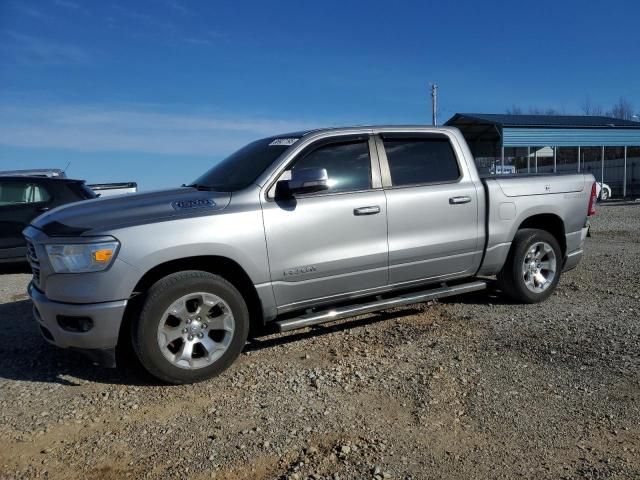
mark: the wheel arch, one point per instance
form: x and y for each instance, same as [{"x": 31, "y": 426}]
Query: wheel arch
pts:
[
  {"x": 549, "y": 222},
  {"x": 218, "y": 265}
]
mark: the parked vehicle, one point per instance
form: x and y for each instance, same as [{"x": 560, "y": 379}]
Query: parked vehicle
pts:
[
  {"x": 101, "y": 189},
  {"x": 504, "y": 170},
  {"x": 39, "y": 172},
  {"x": 22, "y": 198},
  {"x": 292, "y": 231},
  {"x": 111, "y": 189},
  {"x": 603, "y": 191}
]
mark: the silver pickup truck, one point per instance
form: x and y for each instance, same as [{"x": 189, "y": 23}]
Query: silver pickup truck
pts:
[{"x": 291, "y": 231}]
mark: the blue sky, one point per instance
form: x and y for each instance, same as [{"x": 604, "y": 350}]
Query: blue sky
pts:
[{"x": 158, "y": 90}]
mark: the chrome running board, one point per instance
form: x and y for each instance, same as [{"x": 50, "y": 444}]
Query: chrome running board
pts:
[{"x": 315, "y": 318}]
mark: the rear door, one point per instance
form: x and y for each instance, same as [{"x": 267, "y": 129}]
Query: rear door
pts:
[
  {"x": 432, "y": 209},
  {"x": 21, "y": 200},
  {"x": 332, "y": 244}
]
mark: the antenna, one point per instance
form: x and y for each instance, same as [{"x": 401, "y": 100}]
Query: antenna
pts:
[
  {"x": 434, "y": 104},
  {"x": 64, "y": 170}
]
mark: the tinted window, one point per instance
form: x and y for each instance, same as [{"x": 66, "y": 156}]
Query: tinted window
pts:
[
  {"x": 421, "y": 160},
  {"x": 81, "y": 190},
  {"x": 21, "y": 193},
  {"x": 348, "y": 165},
  {"x": 243, "y": 167}
]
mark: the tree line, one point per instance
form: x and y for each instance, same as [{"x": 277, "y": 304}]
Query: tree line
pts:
[{"x": 622, "y": 109}]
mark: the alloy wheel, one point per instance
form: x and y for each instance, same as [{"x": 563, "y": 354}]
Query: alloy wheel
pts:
[
  {"x": 539, "y": 267},
  {"x": 196, "y": 330}
]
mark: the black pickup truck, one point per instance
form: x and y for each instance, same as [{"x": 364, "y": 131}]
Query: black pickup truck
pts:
[{"x": 22, "y": 198}]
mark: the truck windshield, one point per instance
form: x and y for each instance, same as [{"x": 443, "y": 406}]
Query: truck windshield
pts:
[{"x": 243, "y": 167}]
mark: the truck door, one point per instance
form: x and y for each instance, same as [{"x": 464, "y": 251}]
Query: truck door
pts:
[
  {"x": 432, "y": 209},
  {"x": 329, "y": 244}
]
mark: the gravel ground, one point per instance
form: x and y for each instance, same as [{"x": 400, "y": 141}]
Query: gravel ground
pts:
[{"x": 471, "y": 387}]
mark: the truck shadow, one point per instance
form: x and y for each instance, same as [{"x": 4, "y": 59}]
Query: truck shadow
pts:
[
  {"x": 18, "y": 267},
  {"x": 27, "y": 357},
  {"x": 262, "y": 342},
  {"x": 492, "y": 295}
]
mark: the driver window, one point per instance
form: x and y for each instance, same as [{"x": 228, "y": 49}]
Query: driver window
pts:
[{"x": 347, "y": 164}]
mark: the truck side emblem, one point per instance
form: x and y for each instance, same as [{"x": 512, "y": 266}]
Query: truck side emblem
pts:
[
  {"x": 547, "y": 188},
  {"x": 299, "y": 270},
  {"x": 195, "y": 203}
]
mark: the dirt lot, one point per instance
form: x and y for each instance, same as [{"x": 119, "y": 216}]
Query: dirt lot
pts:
[{"x": 473, "y": 387}]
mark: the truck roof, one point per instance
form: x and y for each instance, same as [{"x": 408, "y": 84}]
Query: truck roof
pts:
[
  {"x": 35, "y": 172},
  {"x": 303, "y": 133},
  {"x": 40, "y": 178}
]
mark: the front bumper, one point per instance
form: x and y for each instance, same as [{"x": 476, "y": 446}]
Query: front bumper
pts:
[{"x": 99, "y": 342}]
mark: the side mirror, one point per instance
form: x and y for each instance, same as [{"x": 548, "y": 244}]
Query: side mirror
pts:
[{"x": 303, "y": 180}]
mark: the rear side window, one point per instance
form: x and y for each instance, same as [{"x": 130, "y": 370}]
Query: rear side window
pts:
[
  {"x": 19, "y": 193},
  {"x": 348, "y": 165},
  {"x": 414, "y": 161}
]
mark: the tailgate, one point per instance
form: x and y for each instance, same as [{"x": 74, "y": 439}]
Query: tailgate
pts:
[{"x": 540, "y": 185}]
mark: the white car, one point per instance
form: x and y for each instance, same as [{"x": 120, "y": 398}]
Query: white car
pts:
[
  {"x": 503, "y": 170},
  {"x": 605, "y": 194},
  {"x": 111, "y": 189}
]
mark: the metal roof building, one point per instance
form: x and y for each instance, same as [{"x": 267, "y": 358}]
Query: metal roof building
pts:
[{"x": 609, "y": 148}]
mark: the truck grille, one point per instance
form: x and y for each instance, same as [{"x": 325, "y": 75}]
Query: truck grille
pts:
[{"x": 32, "y": 258}]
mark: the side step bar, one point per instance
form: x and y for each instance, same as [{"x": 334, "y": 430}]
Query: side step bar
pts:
[{"x": 315, "y": 318}]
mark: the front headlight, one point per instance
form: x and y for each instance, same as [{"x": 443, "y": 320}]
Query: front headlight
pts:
[{"x": 82, "y": 257}]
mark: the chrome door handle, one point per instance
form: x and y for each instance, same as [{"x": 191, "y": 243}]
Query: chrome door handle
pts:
[
  {"x": 366, "y": 210},
  {"x": 459, "y": 200}
]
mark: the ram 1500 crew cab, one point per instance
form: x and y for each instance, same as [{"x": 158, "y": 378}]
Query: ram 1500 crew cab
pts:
[{"x": 291, "y": 231}]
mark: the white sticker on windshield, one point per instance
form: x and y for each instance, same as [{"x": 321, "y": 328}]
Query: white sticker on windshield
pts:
[{"x": 283, "y": 141}]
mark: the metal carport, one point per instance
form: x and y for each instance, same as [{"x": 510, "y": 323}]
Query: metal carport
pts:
[{"x": 504, "y": 142}]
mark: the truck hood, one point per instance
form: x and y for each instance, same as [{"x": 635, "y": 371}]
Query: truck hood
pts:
[{"x": 101, "y": 214}]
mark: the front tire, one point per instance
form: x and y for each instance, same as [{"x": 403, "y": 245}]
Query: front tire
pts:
[
  {"x": 532, "y": 270},
  {"x": 192, "y": 326}
]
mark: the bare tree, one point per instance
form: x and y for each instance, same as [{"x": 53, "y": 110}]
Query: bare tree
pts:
[
  {"x": 544, "y": 111},
  {"x": 591, "y": 109},
  {"x": 622, "y": 109},
  {"x": 514, "y": 110}
]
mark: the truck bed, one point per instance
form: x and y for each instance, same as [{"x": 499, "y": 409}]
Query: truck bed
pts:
[{"x": 559, "y": 200}]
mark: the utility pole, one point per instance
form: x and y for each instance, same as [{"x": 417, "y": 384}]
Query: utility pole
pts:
[{"x": 434, "y": 104}]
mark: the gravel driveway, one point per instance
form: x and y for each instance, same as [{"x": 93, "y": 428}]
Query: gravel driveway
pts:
[{"x": 471, "y": 387}]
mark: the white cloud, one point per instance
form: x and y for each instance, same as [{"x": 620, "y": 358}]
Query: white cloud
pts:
[
  {"x": 93, "y": 129},
  {"x": 178, "y": 7},
  {"x": 31, "y": 50},
  {"x": 67, "y": 4},
  {"x": 31, "y": 11}
]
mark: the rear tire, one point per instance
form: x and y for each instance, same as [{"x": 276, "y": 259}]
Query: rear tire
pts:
[
  {"x": 533, "y": 267},
  {"x": 192, "y": 326}
]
